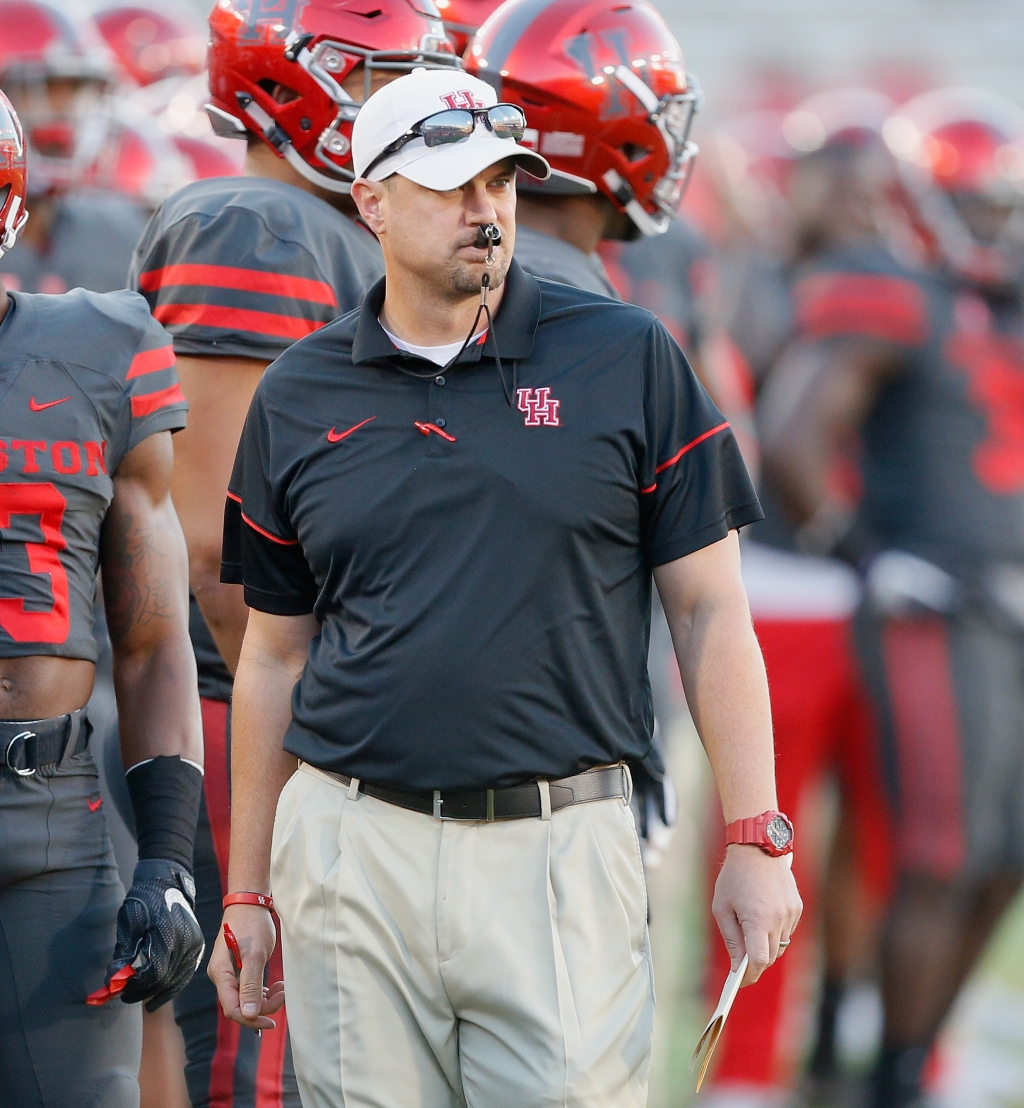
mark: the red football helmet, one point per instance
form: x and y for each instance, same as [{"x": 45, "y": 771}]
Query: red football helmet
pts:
[
  {"x": 463, "y": 18},
  {"x": 12, "y": 176},
  {"x": 606, "y": 94},
  {"x": 961, "y": 151},
  {"x": 149, "y": 46},
  {"x": 56, "y": 72},
  {"x": 278, "y": 67},
  {"x": 837, "y": 117}
]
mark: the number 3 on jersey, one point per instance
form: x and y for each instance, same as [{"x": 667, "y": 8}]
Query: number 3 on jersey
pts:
[{"x": 42, "y": 500}]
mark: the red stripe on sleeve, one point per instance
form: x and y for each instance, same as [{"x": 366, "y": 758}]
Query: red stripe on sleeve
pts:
[
  {"x": 892, "y": 309},
  {"x": 236, "y": 499},
  {"x": 151, "y": 361},
  {"x": 247, "y": 280},
  {"x": 236, "y": 319},
  {"x": 685, "y": 450},
  {"x": 267, "y": 535},
  {"x": 154, "y": 401}
]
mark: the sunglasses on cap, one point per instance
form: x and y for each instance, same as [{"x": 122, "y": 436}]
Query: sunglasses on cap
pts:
[{"x": 505, "y": 121}]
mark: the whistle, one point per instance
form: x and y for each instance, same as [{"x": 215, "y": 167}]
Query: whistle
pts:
[{"x": 488, "y": 235}]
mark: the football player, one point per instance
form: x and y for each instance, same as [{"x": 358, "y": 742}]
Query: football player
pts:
[
  {"x": 58, "y": 74},
  {"x": 835, "y": 191},
  {"x": 237, "y": 269},
  {"x": 90, "y": 398},
  {"x": 925, "y": 367},
  {"x": 590, "y": 199}
]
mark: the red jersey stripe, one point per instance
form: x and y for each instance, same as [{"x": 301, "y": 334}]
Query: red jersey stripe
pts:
[
  {"x": 154, "y": 401},
  {"x": 246, "y": 280},
  {"x": 151, "y": 361},
  {"x": 236, "y": 499},
  {"x": 892, "y": 309},
  {"x": 267, "y": 535},
  {"x": 236, "y": 319}
]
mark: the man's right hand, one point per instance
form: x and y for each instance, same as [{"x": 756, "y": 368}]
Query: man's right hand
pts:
[{"x": 246, "y": 1000}]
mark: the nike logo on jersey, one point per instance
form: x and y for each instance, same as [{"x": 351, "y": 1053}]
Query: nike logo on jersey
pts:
[
  {"x": 95, "y": 805},
  {"x": 35, "y": 407},
  {"x": 333, "y": 436}
]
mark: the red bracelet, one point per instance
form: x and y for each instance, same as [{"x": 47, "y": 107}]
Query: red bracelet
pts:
[{"x": 261, "y": 900}]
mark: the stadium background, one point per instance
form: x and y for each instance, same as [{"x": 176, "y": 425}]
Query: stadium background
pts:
[
  {"x": 748, "y": 53},
  {"x": 752, "y": 53}
]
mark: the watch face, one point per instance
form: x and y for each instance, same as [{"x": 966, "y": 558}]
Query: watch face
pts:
[{"x": 779, "y": 832}]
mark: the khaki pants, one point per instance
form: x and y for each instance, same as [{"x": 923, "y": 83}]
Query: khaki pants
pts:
[{"x": 434, "y": 964}]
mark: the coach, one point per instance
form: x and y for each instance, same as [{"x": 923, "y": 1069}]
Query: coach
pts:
[{"x": 448, "y": 549}]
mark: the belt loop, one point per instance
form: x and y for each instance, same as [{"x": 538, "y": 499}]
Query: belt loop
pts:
[
  {"x": 545, "y": 799},
  {"x": 490, "y": 805},
  {"x": 353, "y": 788},
  {"x": 437, "y": 803},
  {"x": 627, "y": 784},
  {"x": 73, "y": 726}
]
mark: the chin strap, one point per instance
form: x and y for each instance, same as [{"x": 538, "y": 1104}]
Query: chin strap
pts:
[
  {"x": 12, "y": 225},
  {"x": 283, "y": 145},
  {"x": 648, "y": 224}
]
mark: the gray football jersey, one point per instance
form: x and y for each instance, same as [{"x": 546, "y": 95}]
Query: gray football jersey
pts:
[
  {"x": 84, "y": 378},
  {"x": 545, "y": 256},
  {"x": 89, "y": 246}
]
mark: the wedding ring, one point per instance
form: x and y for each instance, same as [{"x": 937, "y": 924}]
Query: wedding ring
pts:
[{"x": 783, "y": 943}]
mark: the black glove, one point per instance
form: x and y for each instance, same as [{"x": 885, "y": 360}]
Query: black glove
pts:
[
  {"x": 158, "y": 934},
  {"x": 654, "y": 796}
]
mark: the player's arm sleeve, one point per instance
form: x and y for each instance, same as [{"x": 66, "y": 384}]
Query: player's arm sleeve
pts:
[
  {"x": 226, "y": 285},
  {"x": 841, "y": 304},
  {"x": 262, "y": 552},
  {"x": 694, "y": 487},
  {"x": 151, "y": 382}
]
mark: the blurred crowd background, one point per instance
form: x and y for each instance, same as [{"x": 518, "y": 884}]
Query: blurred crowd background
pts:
[{"x": 782, "y": 79}]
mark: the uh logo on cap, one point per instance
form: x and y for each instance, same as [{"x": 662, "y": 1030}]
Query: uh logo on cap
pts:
[{"x": 463, "y": 98}]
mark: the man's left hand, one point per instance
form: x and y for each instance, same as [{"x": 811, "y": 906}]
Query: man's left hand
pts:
[
  {"x": 158, "y": 934},
  {"x": 757, "y": 907}
]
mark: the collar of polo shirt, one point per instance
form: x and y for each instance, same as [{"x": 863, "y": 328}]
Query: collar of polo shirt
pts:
[{"x": 515, "y": 322}]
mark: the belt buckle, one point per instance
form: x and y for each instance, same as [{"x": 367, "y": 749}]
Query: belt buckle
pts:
[
  {"x": 439, "y": 814},
  {"x": 25, "y": 736}
]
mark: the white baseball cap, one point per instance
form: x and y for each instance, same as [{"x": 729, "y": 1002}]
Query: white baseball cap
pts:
[{"x": 394, "y": 110}]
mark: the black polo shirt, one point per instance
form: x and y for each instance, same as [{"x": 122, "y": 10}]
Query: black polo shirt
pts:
[{"x": 484, "y": 594}]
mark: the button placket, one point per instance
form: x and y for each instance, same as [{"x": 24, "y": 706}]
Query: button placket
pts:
[{"x": 439, "y": 413}]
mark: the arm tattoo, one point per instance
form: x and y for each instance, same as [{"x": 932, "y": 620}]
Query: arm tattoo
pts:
[{"x": 135, "y": 575}]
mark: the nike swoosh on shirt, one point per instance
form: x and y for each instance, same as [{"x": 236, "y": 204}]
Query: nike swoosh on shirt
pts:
[
  {"x": 94, "y": 805},
  {"x": 33, "y": 406},
  {"x": 332, "y": 435}
]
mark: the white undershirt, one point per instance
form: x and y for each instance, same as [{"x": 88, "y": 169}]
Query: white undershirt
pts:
[{"x": 439, "y": 355}]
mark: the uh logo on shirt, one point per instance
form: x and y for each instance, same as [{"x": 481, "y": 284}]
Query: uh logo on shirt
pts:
[{"x": 540, "y": 407}]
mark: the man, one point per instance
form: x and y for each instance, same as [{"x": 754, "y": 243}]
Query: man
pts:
[
  {"x": 237, "y": 269},
  {"x": 90, "y": 400},
  {"x": 469, "y": 613},
  {"x": 925, "y": 369}
]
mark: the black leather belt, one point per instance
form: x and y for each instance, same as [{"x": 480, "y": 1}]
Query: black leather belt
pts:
[
  {"x": 517, "y": 802},
  {"x": 29, "y": 745}
]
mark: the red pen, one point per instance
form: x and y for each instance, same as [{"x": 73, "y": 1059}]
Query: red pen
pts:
[{"x": 236, "y": 962}]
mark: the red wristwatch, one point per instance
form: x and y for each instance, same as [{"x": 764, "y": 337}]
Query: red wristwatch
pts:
[{"x": 771, "y": 831}]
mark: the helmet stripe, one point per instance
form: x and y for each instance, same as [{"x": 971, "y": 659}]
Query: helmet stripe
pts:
[{"x": 515, "y": 25}]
